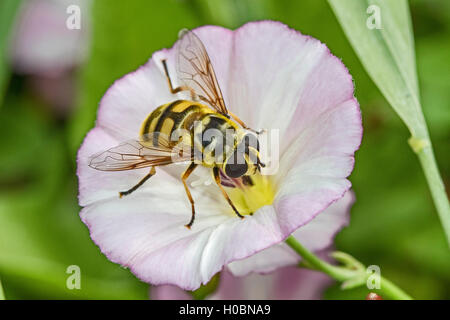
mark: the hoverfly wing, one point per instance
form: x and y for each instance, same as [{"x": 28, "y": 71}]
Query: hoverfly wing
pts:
[
  {"x": 136, "y": 154},
  {"x": 195, "y": 70}
]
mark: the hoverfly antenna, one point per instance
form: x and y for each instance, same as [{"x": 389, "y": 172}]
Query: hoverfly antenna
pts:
[
  {"x": 256, "y": 131},
  {"x": 262, "y": 131}
]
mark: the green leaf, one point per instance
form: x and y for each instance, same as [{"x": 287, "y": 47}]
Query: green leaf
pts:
[
  {"x": 386, "y": 50},
  {"x": 386, "y": 53},
  {"x": 8, "y": 10},
  {"x": 348, "y": 261},
  {"x": 2, "y": 295},
  {"x": 354, "y": 282}
]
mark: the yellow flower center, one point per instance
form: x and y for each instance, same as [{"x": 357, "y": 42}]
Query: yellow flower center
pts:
[{"x": 248, "y": 199}]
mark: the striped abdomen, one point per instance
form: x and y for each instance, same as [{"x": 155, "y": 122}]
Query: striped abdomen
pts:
[{"x": 191, "y": 116}]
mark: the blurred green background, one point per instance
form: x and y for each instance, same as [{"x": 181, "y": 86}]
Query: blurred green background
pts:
[{"x": 394, "y": 223}]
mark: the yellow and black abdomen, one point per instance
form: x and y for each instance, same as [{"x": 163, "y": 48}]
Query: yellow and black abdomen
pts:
[
  {"x": 193, "y": 117},
  {"x": 180, "y": 114}
]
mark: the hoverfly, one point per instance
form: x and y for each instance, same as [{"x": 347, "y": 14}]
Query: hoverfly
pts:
[{"x": 206, "y": 110}]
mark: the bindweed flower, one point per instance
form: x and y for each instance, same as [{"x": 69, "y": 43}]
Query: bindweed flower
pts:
[{"x": 272, "y": 77}]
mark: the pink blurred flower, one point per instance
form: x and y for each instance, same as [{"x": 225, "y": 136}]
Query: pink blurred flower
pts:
[
  {"x": 288, "y": 283},
  {"x": 42, "y": 43},
  {"x": 47, "y": 52},
  {"x": 272, "y": 77}
]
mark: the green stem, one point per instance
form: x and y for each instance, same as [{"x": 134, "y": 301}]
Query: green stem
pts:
[
  {"x": 2, "y": 295},
  {"x": 424, "y": 151},
  {"x": 343, "y": 274}
]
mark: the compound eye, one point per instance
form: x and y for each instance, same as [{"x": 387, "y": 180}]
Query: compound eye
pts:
[
  {"x": 235, "y": 170},
  {"x": 236, "y": 166}
]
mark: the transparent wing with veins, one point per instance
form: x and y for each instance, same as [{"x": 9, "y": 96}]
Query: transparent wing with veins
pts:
[
  {"x": 136, "y": 154},
  {"x": 195, "y": 70}
]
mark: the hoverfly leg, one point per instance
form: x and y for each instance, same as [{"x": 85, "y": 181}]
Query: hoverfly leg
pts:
[
  {"x": 140, "y": 183},
  {"x": 184, "y": 177},
  {"x": 177, "y": 89},
  {"x": 218, "y": 182}
]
